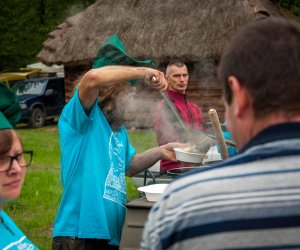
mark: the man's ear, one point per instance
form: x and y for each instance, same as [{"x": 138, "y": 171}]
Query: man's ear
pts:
[{"x": 240, "y": 96}]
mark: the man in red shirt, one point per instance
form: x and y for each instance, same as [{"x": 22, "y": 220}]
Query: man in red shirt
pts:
[{"x": 166, "y": 126}]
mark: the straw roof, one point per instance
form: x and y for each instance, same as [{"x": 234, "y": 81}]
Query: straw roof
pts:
[{"x": 156, "y": 29}]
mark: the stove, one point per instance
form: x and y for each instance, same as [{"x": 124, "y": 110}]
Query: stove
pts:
[
  {"x": 136, "y": 216},
  {"x": 148, "y": 177},
  {"x": 138, "y": 209}
]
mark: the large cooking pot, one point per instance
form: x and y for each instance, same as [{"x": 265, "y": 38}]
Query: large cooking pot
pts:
[{"x": 181, "y": 171}]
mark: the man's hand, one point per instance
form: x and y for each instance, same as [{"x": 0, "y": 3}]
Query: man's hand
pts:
[
  {"x": 167, "y": 150},
  {"x": 156, "y": 79}
]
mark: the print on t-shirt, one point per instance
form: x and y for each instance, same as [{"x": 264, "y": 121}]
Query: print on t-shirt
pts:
[{"x": 115, "y": 188}]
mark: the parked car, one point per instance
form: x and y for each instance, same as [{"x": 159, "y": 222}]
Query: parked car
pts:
[{"x": 41, "y": 99}]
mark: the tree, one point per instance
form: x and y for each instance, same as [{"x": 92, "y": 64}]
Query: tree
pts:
[
  {"x": 24, "y": 26},
  {"x": 291, "y": 5}
]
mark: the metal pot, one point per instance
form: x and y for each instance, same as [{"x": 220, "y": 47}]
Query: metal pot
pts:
[{"x": 179, "y": 171}]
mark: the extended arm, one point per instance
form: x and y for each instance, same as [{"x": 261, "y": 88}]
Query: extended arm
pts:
[
  {"x": 95, "y": 78},
  {"x": 143, "y": 161}
]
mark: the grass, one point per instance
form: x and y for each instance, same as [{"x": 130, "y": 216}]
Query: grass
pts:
[{"x": 35, "y": 210}]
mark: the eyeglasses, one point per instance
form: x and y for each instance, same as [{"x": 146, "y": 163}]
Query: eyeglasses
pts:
[{"x": 24, "y": 160}]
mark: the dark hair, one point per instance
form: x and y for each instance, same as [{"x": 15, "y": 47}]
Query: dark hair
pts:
[
  {"x": 109, "y": 95},
  {"x": 77, "y": 82},
  {"x": 177, "y": 63},
  {"x": 265, "y": 57},
  {"x": 6, "y": 139}
]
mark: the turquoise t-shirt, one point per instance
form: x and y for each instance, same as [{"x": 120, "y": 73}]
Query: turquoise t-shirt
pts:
[
  {"x": 231, "y": 150},
  {"x": 11, "y": 237},
  {"x": 93, "y": 164}
]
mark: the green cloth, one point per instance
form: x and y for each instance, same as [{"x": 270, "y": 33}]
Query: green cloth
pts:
[
  {"x": 10, "y": 110},
  {"x": 113, "y": 52}
]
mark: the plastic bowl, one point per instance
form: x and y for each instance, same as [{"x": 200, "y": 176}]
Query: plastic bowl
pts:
[
  {"x": 154, "y": 191},
  {"x": 191, "y": 157}
]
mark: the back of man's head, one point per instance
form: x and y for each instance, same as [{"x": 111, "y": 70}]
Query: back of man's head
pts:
[{"x": 265, "y": 58}]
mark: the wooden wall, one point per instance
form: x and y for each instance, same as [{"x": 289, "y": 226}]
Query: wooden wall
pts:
[{"x": 207, "y": 95}]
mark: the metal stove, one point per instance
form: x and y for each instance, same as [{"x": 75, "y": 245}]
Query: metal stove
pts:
[
  {"x": 138, "y": 209},
  {"x": 136, "y": 216}
]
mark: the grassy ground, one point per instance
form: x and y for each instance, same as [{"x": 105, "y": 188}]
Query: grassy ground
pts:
[{"x": 35, "y": 210}]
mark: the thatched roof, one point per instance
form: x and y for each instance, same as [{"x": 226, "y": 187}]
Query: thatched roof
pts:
[{"x": 156, "y": 29}]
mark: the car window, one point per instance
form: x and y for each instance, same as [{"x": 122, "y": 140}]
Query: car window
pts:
[
  {"x": 52, "y": 84},
  {"x": 57, "y": 85},
  {"x": 29, "y": 87}
]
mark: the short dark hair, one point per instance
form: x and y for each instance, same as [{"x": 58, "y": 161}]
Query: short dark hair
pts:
[
  {"x": 265, "y": 57},
  {"x": 177, "y": 63}
]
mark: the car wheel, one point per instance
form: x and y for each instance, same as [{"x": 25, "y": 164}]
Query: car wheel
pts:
[{"x": 37, "y": 118}]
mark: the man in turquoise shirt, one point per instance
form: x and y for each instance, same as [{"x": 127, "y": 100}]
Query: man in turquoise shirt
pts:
[{"x": 95, "y": 156}]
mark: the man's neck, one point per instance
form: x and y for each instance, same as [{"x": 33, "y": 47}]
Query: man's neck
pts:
[
  {"x": 270, "y": 120},
  {"x": 175, "y": 91}
]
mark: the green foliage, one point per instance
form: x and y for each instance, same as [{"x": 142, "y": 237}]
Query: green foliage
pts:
[
  {"x": 24, "y": 26},
  {"x": 291, "y": 5}
]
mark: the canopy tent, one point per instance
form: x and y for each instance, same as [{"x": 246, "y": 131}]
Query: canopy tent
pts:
[{"x": 48, "y": 69}]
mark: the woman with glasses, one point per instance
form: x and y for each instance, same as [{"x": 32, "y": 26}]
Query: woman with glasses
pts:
[{"x": 13, "y": 162}]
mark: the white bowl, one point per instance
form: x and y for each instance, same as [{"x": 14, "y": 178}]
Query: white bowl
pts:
[
  {"x": 154, "y": 191},
  {"x": 191, "y": 157},
  {"x": 212, "y": 155}
]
